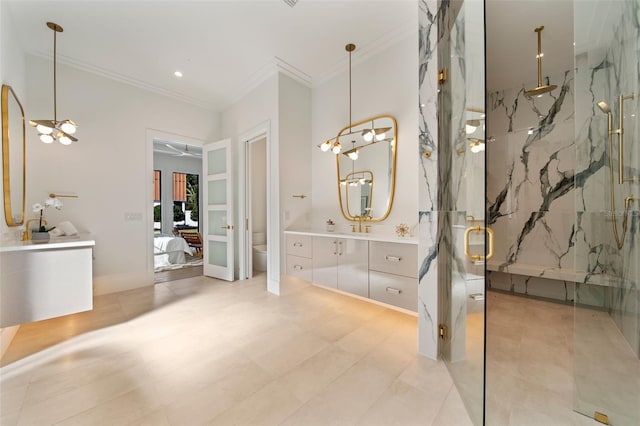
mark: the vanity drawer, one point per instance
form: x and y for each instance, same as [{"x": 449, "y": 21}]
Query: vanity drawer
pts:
[
  {"x": 394, "y": 258},
  {"x": 395, "y": 290},
  {"x": 300, "y": 267},
  {"x": 299, "y": 245}
]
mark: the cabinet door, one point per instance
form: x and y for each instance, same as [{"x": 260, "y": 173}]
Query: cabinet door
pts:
[
  {"x": 325, "y": 262},
  {"x": 353, "y": 266}
]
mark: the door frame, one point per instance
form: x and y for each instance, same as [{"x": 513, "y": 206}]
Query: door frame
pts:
[
  {"x": 151, "y": 135},
  {"x": 262, "y": 130}
]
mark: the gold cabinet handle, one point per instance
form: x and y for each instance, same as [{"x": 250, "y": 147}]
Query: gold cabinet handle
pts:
[
  {"x": 475, "y": 257},
  {"x": 227, "y": 227}
]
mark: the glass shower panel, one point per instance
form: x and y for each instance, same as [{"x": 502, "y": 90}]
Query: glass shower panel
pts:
[
  {"x": 607, "y": 300},
  {"x": 461, "y": 181}
]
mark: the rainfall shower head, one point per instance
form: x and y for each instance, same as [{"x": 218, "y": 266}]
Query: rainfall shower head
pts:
[
  {"x": 542, "y": 88},
  {"x": 604, "y": 107},
  {"x": 539, "y": 90}
]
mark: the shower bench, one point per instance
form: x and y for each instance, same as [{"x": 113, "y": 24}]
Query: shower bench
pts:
[{"x": 546, "y": 282}]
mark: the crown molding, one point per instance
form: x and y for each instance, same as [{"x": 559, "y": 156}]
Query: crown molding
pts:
[
  {"x": 276, "y": 65},
  {"x": 112, "y": 75},
  {"x": 369, "y": 50}
]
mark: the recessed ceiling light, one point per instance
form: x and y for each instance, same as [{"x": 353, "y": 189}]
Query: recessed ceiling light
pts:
[{"x": 177, "y": 74}]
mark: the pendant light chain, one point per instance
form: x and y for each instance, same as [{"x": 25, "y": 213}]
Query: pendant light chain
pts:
[
  {"x": 349, "y": 89},
  {"x": 55, "y": 112}
]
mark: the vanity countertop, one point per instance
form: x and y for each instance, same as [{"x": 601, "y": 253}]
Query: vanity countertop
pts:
[
  {"x": 354, "y": 235},
  {"x": 82, "y": 240}
]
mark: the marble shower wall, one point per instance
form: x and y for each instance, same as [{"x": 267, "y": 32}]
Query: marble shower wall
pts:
[
  {"x": 607, "y": 66},
  {"x": 530, "y": 175},
  {"x": 531, "y": 191}
]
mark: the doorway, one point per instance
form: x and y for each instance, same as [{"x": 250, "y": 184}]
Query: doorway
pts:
[
  {"x": 255, "y": 253},
  {"x": 176, "y": 242}
]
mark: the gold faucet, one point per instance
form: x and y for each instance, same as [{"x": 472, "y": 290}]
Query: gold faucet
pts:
[
  {"x": 361, "y": 218},
  {"x": 25, "y": 235}
]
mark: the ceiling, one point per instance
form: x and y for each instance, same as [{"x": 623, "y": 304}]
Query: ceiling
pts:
[
  {"x": 177, "y": 149},
  {"x": 223, "y": 48}
]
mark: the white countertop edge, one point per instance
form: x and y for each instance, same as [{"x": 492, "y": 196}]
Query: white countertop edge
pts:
[
  {"x": 354, "y": 236},
  {"x": 83, "y": 240}
]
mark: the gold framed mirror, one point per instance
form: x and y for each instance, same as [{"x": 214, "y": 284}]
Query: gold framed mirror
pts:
[
  {"x": 368, "y": 154},
  {"x": 13, "y": 157}
]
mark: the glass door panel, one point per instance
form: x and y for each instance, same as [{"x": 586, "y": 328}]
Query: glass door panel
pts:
[
  {"x": 218, "y": 253},
  {"x": 461, "y": 106},
  {"x": 217, "y": 222},
  {"x": 216, "y": 161},
  {"x": 607, "y": 301},
  {"x": 218, "y": 227}
]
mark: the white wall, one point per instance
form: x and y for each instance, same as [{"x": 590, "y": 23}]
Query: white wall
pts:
[
  {"x": 259, "y": 186},
  {"x": 109, "y": 168},
  {"x": 13, "y": 73},
  {"x": 282, "y": 106},
  {"x": 168, "y": 164},
  {"x": 257, "y": 109},
  {"x": 295, "y": 156},
  {"x": 382, "y": 84}
]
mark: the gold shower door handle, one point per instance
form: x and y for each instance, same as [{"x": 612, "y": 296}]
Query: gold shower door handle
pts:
[{"x": 467, "y": 252}]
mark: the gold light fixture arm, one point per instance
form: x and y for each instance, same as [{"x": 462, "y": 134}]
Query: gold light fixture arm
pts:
[{"x": 52, "y": 195}]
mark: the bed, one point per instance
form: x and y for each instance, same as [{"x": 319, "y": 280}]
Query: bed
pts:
[{"x": 169, "y": 250}]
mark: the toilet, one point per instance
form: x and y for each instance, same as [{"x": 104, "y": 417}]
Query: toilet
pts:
[{"x": 259, "y": 251}]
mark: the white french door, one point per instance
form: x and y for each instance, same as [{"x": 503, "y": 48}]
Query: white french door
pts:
[{"x": 218, "y": 226}]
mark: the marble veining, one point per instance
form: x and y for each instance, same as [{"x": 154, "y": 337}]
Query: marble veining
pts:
[
  {"x": 428, "y": 182},
  {"x": 534, "y": 139}
]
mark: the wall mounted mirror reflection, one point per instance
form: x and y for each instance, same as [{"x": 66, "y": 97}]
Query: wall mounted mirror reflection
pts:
[
  {"x": 13, "y": 157},
  {"x": 368, "y": 155}
]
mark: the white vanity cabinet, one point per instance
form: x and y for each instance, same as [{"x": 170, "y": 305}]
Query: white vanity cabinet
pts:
[
  {"x": 380, "y": 268},
  {"x": 341, "y": 263},
  {"x": 299, "y": 251},
  {"x": 47, "y": 280},
  {"x": 393, "y": 274}
]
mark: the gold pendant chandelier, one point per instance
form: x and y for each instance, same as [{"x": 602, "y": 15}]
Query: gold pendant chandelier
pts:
[{"x": 51, "y": 130}]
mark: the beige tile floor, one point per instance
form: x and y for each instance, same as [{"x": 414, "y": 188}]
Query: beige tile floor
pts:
[
  {"x": 201, "y": 351},
  {"x": 204, "y": 352},
  {"x": 530, "y": 362}
]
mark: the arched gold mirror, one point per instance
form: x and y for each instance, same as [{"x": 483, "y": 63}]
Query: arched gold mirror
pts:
[
  {"x": 367, "y": 162},
  {"x": 13, "y": 157}
]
